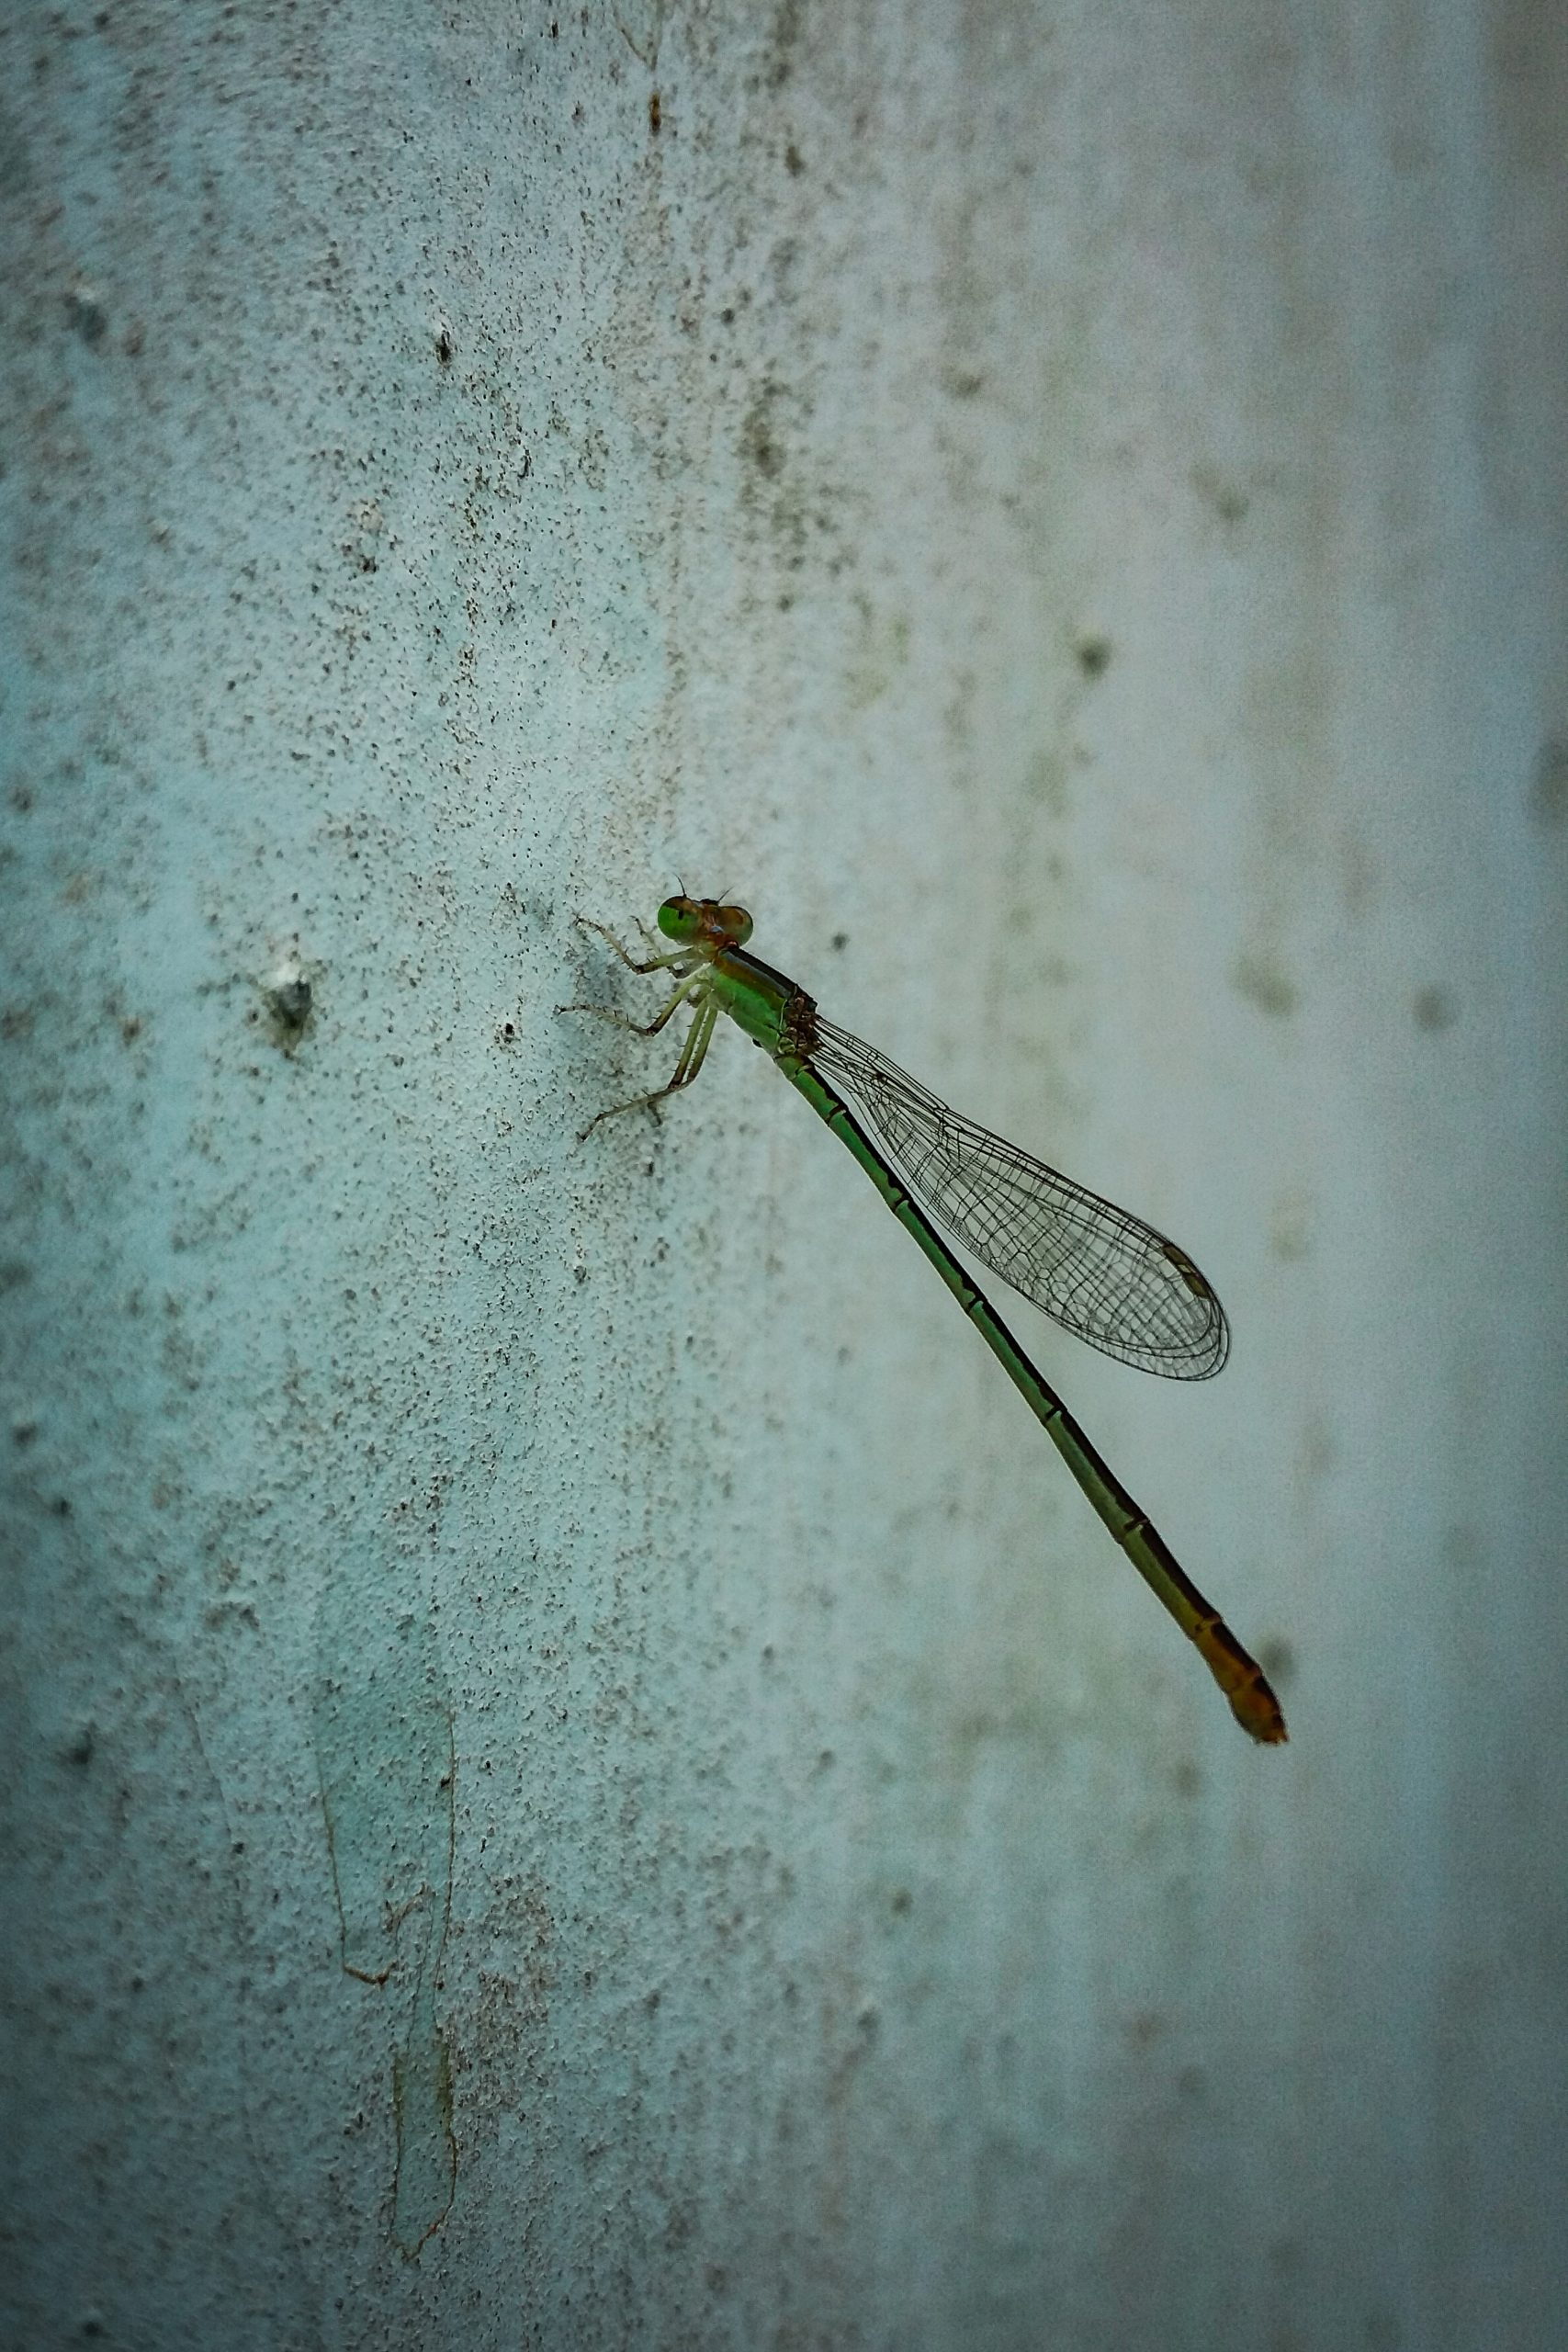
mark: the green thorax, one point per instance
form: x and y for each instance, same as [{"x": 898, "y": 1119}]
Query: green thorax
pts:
[{"x": 774, "y": 1013}]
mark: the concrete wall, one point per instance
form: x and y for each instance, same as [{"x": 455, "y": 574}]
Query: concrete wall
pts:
[{"x": 579, "y": 1775}]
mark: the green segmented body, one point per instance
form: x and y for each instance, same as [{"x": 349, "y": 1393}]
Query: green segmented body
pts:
[{"x": 1099, "y": 1271}]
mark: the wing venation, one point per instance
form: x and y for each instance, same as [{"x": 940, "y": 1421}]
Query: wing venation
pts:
[{"x": 1099, "y": 1271}]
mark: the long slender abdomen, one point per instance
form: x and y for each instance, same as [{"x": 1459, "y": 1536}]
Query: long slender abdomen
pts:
[{"x": 1239, "y": 1674}]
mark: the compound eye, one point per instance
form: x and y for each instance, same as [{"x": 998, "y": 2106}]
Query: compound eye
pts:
[
  {"x": 735, "y": 924},
  {"x": 678, "y": 919}
]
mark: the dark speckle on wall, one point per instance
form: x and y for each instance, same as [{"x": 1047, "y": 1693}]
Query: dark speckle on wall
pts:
[
  {"x": 1434, "y": 1008},
  {"x": 1549, "y": 787}
]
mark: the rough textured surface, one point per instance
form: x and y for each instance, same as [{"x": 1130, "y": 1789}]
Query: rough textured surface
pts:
[{"x": 578, "y": 1776}]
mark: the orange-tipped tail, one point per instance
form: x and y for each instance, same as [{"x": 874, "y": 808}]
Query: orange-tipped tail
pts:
[{"x": 1244, "y": 1683}]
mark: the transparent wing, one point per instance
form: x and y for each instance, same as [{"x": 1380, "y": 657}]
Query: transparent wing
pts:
[{"x": 1101, "y": 1274}]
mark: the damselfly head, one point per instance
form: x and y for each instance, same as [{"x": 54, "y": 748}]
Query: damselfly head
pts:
[{"x": 689, "y": 921}]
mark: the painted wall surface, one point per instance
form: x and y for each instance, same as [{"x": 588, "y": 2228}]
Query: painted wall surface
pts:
[{"x": 577, "y": 1772}]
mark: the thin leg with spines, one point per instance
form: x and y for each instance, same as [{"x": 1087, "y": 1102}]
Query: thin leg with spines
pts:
[{"x": 698, "y": 1037}]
